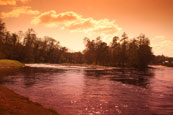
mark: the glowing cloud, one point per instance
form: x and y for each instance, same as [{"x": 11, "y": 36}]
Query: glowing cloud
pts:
[
  {"x": 17, "y": 11},
  {"x": 105, "y": 26},
  {"x": 75, "y": 22},
  {"x": 52, "y": 18},
  {"x": 11, "y": 2},
  {"x": 81, "y": 24},
  {"x": 161, "y": 45}
]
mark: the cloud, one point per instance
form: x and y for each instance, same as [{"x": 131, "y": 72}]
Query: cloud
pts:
[
  {"x": 106, "y": 26},
  {"x": 81, "y": 24},
  {"x": 17, "y": 11},
  {"x": 11, "y": 2},
  {"x": 164, "y": 47},
  {"x": 103, "y": 26},
  {"x": 161, "y": 45},
  {"x": 52, "y": 18},
  {"x": 76, "y": 22},
  {"x": 159, "y": 36},
  {"x": 157, "y": 39}
]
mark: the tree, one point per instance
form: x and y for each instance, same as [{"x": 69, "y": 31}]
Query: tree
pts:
[
  {"x": 123, "y": 51},
  {"x": 144, "y": 52},
  {"x": 115, "y": 48},
  {"x": 29, "y": 42},
  {"x": 2, "y": 37},
  {"x": 27, "y": 47},
  {"x": 90, "y": 51}
]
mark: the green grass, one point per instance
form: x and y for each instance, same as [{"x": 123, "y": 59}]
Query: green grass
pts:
[{"x": 10, "y": 63}]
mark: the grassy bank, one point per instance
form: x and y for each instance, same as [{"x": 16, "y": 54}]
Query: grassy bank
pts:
[
  {"x": 14, "y": 104},
  {"x": 6, "y": 63}
]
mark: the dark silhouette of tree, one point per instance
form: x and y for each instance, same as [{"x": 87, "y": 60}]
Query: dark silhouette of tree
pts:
[
  {"x": 96, "y": 52},
  {"x": 90, "y": 51},
  {"x": 133, "y": 53},
  {"x": 115, "y": 48},
  {"x": 144, "y": 52},
  {"x": 2, "y": 39},
  {"x": 123, "y": 51}
]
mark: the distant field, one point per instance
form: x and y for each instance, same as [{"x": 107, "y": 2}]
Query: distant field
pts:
[{"x": 10, "y": 63}]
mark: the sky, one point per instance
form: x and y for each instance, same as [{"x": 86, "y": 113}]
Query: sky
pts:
[{"x": 70, "y": 21}]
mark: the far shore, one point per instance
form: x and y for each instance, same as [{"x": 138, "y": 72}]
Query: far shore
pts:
[
  {"x": 93, "y": 66},
  {"x": 11, "y": 64}
]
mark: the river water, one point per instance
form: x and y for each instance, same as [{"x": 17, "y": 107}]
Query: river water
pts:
[{"x": 78, "y": 90}]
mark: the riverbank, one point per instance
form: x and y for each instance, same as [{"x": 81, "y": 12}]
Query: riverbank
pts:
[
  {"x": 70, "y": 65},
  {"x": 14, "y": 104},
  {"x": 6, "y": 63},
  {"x": 90, "y": 66}
]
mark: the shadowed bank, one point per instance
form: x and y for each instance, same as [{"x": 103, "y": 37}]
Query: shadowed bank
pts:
[{"x": 12, "y": 103}]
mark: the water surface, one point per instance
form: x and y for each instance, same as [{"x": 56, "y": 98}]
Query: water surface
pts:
[{"x": 77, "y": 90}]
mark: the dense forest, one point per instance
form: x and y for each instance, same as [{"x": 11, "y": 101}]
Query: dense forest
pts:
[{"x": 122, "y": 51}]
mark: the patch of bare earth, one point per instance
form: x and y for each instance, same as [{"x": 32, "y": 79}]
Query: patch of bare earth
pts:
[{"x": 14, "y": 104}]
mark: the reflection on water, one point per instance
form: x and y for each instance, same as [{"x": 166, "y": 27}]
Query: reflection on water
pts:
[
  {"x": 126, "y": 76},
  {"x": 75, "y": 90}
]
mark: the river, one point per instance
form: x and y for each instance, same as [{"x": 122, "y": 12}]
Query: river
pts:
[{"x": 78, "y": 90}]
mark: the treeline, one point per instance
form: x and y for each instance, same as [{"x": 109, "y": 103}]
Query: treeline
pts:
[
  {"x": 162, "y": 60},
  {"x": 122, "y": 52},
  {"x": 29, "y": 48}
]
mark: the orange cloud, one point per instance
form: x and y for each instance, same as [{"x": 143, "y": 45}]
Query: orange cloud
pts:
[
  {"x": 106, "y": 30},
  {"x": 75, "y": 22},
  {"x": 162, "y": 48},
  {"x": 107, "y": 27},
  {"x": 17, "y": 11},
  {"x": 52, "y": 18},
  {"x": 103, "y": 26},
  {"x": 10, "y": 2},
  {"x": 80, "y": 24},
  {"x": 161, "y": 45}
]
